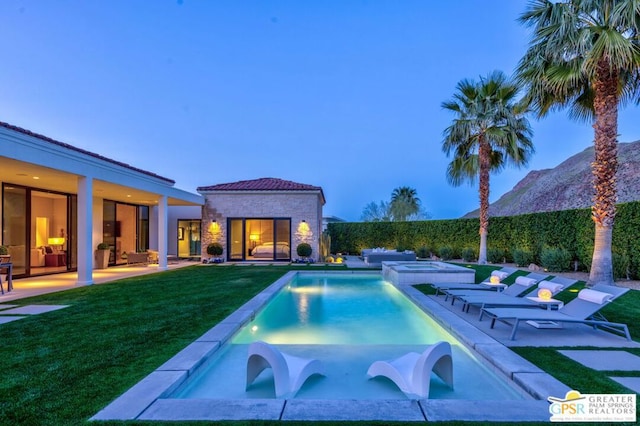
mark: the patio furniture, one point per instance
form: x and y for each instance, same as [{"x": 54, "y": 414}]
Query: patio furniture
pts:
[
  {"x": 506, "y": 298},
  {"x": 412, "y": 371},
  {"x": 6, "y": 273},
  {"x": 133, "y": 258},
  {"x": 523, "y": 283},
  {"x": 500, "y": 273},
  {"x": 289, "y": 372},
  {"x": 376, "y": 258},
  {"x": 584, "y": 309}
]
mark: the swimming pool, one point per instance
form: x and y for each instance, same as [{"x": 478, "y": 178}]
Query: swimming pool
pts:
[
  {"x": 347, "y": 322},
  {"x": 160, "y": 395}
]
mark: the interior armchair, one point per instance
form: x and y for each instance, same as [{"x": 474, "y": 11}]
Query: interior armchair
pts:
[{"x": 37, "y": 257}]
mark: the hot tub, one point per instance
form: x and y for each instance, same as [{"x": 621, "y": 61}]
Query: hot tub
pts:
[{"x": 409, "y": 273}]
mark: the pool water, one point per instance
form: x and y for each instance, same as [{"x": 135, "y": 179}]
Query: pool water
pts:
[{"x": 347, "y": 322}]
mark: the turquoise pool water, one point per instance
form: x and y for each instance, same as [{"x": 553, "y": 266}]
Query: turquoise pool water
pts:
[{"x": 348, "y": 322}]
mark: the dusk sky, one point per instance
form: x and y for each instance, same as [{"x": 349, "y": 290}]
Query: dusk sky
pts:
[{"x": 345, "y": 95}]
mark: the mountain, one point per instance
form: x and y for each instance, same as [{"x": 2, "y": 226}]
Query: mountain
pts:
[{"x": 568, "y": 185}]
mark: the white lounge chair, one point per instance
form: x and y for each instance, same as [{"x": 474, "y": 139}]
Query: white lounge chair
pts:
[
  {"x": 583, "y": 309},
  {"x": 500, "y": 273},
  {"x": 412, "y": 371},
  {"x": 289, "y": 372},
  {"x": 485, "y": 300},
  {"x": 521, "y": 285}
]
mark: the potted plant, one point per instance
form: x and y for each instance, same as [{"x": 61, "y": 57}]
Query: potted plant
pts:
[
  {"x": 102, "y": 255},
  {"x": 215, "y": 250},
  {"x": 4, "y": 252},
  {"x": 304, "y": 250}
]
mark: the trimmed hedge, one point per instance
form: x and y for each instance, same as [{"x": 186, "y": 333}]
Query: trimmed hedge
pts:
[{"x": 570, "y": 230}]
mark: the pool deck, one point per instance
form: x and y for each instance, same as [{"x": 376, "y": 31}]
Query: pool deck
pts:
[{"x": 150, "y": 398}]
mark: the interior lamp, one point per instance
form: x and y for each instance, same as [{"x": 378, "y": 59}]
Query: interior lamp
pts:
[
  {"x": 544, "y": 294},
  {"x": 56, "y": 242},
  {"x": 494, "y": 279},
  {"x": 254, "y": 239}
]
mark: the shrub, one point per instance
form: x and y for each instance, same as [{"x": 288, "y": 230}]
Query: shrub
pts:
[
  {"x": 214, "y": 249},
  {"x": 304, "y": 250},
  {"x": 4, "y": 250},
  {"x": 522, "y": 257},
  {"x": 446, "y": 252},
  {"x": 620, "y": 265},
  {"x": 468, "y": 254},
  {"x": 495, "y": 255},
  {"x": 423, "y": 252},
  {"x": 555, "y": 259}
]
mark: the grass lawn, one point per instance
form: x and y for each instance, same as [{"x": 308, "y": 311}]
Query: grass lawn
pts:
[{"x": 62, "y": 367}]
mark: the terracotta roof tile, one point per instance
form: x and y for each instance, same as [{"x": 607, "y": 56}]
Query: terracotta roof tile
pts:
[
  {"x": 262, "y": 184},
  {"x": 82, "y": 151}
]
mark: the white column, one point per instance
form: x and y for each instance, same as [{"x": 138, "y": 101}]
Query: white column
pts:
[
  {"x": 85, "y": 230},
  {"x": 163, "y": 231}
]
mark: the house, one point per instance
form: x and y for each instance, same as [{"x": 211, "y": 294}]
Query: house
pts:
[
  {"x": 263, "y": 219},
  {"x": 59, "y": 202}
]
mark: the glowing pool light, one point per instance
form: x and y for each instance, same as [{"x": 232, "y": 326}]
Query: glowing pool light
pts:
[{"x": 544, "y": 294}]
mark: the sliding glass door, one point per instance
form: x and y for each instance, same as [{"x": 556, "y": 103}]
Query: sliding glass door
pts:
[
  {"x": 39, "y": 227},
  {"x": 259, "y": 239}
]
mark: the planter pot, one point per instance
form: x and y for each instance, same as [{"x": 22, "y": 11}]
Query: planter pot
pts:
[{"x": 102, "y": 258}]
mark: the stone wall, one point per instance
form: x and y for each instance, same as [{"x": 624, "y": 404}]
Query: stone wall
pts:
[{"x": 298, "y": 206}]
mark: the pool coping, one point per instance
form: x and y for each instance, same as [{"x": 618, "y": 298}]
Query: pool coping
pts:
[{"x": 149, "y": 398}]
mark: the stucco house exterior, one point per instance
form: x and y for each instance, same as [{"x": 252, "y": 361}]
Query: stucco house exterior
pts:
[
  {"x": 262, "y": 219},
  {"x": 59, "y": 202}
]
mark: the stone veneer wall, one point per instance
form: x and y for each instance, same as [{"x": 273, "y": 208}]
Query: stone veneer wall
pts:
[{"x": 297, "y": 205}]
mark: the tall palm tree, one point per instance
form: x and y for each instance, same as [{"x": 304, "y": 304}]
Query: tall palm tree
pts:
[
  {"x": 404, "y": 203},
  {"x": 489, "y": 132},
  {"x": 585, "y": 55}
]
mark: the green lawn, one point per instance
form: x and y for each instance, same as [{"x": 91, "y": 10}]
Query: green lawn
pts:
[{"x": 62, "y": 367}]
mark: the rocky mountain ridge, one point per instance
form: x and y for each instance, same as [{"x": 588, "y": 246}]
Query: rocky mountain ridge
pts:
[{"x": 568, "y": 185}]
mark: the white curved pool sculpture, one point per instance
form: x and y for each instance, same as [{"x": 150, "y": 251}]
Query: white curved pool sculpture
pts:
[{"x": 423, "y": 272}]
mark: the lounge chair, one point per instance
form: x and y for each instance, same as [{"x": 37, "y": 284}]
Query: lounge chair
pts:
[
  {"x": 584, "y": 309},
  {"x": 521, "y": 285},
  {"x": 555, "y": 286},
  {"x": 500, "y": 273},
  {"x": 412, "y": 371},
  {"x": 289, "y": 372}
]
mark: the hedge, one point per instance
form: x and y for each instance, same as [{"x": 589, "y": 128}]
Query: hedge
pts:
[{"x": 571, "y": 230}]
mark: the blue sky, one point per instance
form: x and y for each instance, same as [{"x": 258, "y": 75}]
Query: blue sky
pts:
[{"x": 344, "y": 94}]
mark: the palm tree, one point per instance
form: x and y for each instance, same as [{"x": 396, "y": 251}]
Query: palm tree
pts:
[
  {"x": 585, "y": 55},
  {"x": 489, "y": 132},
  {"x": 404, "y": 203}
]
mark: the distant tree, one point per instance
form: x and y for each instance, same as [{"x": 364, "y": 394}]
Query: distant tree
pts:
[
  {"x": 404, "y": 203},
  {"x": 374, "y": 212},
  {"x": 489, "y": 132},
  {"x": 422, "y": 214},
  {"x": 585, "y": 55}
]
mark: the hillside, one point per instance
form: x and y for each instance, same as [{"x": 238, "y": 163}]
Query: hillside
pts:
[{"x": 568, "y": 186}]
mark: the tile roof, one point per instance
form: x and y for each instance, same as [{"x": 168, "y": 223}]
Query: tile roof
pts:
[
  {"x": 82, "y": 151},
  {"x": 262, "y": 184}
]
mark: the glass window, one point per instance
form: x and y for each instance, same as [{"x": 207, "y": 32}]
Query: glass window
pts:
[
  {"x": 235, "y": 239},
  {"x": 14, "y": 233},
  {"x": 259, "y": 239}
]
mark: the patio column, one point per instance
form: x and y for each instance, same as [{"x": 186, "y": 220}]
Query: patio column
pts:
[
  {"x": 85, "y": 230},
  {"x": 163, "y": 231}
]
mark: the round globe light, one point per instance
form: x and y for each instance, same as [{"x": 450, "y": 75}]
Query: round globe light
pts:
[
  {"x": 494, "y": 279},
  {"x": 544, "y": 294}
]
